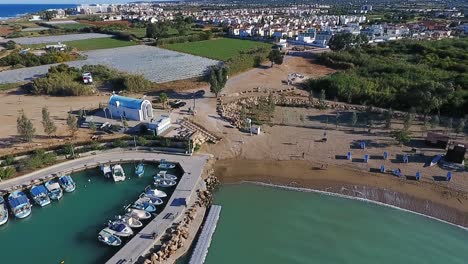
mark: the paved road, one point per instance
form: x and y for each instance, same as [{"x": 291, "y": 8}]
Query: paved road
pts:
[{"x": 157, "y": 65}]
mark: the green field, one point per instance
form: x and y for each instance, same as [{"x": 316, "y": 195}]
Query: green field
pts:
[
  {"x": 99, "y": 43},
  {"x": 218, "y": 49},
  {"x": 75, "y": 26}
]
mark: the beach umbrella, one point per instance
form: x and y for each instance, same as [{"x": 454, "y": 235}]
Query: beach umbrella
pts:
[
  {"x": 366, "y": 158},
  {"x": 385, "y": 155},
  {"x": 349, "y": 156},
  {"x": 382, "y": 168},
  {"x": 363, "y": 145},
  {"x": 449, "y": 175},
  {"x": 418, "y": 175}
]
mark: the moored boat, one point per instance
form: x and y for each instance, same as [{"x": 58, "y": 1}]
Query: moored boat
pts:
[
  {"x": 163, "y": 175},
  {"x": 154, "y": 193},
  {"x": 163, "y": 164},
  {"x": 141, "y": 214},
  {"x": 164, "y": 183},
  {"x": 150, "y": 208},
  {"x": 3, "y": 211},
  {"x": 120, "y": 228},
  {"x": 131, "y": 220},
  {"x": 118, "y": 174},
  {"x": 55, "y": 192},
  {"x": 40, "y": 195},
  {"x": 106, "y": 170},
  {"x": 108, "y": 238},
  {"x": 152, "y": 200},
  {"x": 19, "y": 204},
  {"x": 140, "y": 170},
  {"x": 67, "y": 183}
]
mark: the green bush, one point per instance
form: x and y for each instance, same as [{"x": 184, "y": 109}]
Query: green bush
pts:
[
  {"x": 31, "y": 60},
  {"x": 133, "y": 83},
  {"x": 6, "y": 173},
  {"x": 39, "y": 159},
  {"x": 8, "y": 160}
]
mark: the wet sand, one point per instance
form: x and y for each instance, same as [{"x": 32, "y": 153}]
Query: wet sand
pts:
[{"x": 423, "y": 197}]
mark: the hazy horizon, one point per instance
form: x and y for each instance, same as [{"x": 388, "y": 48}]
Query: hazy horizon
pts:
[{"x": 77, "y": 2}]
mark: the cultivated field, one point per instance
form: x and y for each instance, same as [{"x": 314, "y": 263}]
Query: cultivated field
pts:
[
  {"x": 54, "y": 39},
  {"x": 157, "y": 65},
  {"x": 218, "y": 49},
  {"x": 99, "y": 43}
]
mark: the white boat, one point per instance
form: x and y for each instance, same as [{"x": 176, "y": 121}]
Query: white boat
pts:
[
  {"x": 140, "y": 170},
  {"x": 141, "y": 214},
  {"x": 67, "y": 183},
  {"x": 119, "y": 228},
  {"x": 118, "y": 174},
  {"x": 106, "y": 170},
  {"x": 55, "y": 192},
  {"x": 19, "y": 204},
  {"x": 163, "y": 164},
  {"x": 152, "y": 200},
  {"x": 131, "y": 220},
  {"x": 164, "y": 183},
  {"x": 163, "y": 175},
  {"x": 108, "y": 238},
  {"x": 154, "y": 193},
  {"x": 3, "y": 211},
  {"x": 435, "y": 160},
  {"x": 40, "y": 195}
]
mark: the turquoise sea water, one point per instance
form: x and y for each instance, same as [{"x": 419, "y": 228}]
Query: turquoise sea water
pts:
[
  {"x": 267, "y": 225},
  {"x": 67, "y": 230}
]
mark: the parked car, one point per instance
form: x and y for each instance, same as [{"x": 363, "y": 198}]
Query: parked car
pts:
[{"x": 178, "y": 104}]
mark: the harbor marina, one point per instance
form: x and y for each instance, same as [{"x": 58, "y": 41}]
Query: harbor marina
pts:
[{"x": 87, "y": 212}]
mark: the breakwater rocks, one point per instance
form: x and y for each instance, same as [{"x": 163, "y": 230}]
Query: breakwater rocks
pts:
[{"x": 211, "y": 181}]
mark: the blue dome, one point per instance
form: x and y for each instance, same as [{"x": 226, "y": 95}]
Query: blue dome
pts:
[{"x": 127, "y": 102}]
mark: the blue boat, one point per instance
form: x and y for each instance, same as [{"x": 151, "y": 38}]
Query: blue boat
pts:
[
  {"x": 55, "y": 192},
  {"x": 40, "y": 195},
  {"x": 67, "y": 183},
  {"x": 140, "y": 170},
  {"x": 19, "y": 204},
  {"x": 146, "y": 206},
  {"x": 3, "y": 211},
  {"x": 163, "y": 164}
]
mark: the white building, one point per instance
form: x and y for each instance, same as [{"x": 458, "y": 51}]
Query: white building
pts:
[
  {"x": 160, "y": 125},
  {"x": 130, "y": 108}
]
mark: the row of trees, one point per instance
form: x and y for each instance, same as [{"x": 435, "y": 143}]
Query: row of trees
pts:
[
  {"x": 27, "y": 131},
  {"x": 161, "y": 29}
]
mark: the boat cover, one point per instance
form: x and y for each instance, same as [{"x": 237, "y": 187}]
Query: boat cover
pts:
[
  {"x": 53, "y": 186},
  {"x": 18, "y": 201},
  {"x": 38, "y": 190},
  {"x": 118, "y": 227}
]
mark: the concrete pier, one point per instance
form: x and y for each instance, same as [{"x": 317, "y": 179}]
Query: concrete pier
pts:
[{"x": 204, "y": 241}]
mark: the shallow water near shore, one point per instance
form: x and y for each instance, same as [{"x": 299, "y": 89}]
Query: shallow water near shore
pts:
[
  {"x": 261, "y": 224},
  {"x": 67, "y": 230}
]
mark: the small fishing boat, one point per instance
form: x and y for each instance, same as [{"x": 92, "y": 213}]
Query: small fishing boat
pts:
[
  {"x": 106, "y": 170},
  {"x": 435, "y": 160},
  {"x": 67, "y": 183},
  {"x": 40, "y": 195},
  {"x": 163, "y": 164},
  {"x": 131, "y": 220},
  {"x": 118, "y": 174},
  {"x": 140, "y": 170},
  {"x": 19, "y": 204},
  {"x": 55, "y": 192},
  {"x": 119, "y": 228},
  {"x": 141, "y": 214},
  {"x": 3, "y": 211},
  {"x": 163, "y": 175},
  {"x": 164, "y": 183},
  {"x": 107, "y": 237},
  {"x": 148, "y": 199},
  {"x": 150, "y": 208},
  {"x": 154, "y": 193}
]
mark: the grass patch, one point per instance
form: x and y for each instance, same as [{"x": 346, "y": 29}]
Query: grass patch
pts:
[
  {"x": 74, "y": 26},
  {"x": 137, "y": 32},
  {"x": 9, "y": 86},
  {"x": 218, "y": 49},
  {"x": 99, "y": 43}
]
